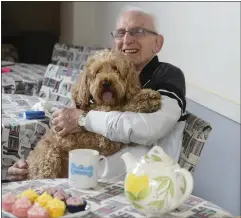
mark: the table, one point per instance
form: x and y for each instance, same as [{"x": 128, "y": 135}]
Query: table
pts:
[
  {"x": 23, "y": 79},
  {"x": 108, "y": 200},
  {"x": 19, "y": 136}
]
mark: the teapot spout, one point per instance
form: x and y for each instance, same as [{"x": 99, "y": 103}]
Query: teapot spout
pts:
[{"x": 129, "y": 160}]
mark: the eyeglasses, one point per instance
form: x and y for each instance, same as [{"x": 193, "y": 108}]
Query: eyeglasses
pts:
[{"x": 135, "y": 32}]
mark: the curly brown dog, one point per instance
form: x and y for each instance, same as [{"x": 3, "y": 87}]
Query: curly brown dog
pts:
[{"x": 110, "y": 82}]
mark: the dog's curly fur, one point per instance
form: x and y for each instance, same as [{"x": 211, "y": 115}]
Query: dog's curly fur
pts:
[{"x": 49, "y": 159}]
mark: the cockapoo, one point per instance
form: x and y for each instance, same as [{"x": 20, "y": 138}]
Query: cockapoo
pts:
[{"x": 109, "y": 82}]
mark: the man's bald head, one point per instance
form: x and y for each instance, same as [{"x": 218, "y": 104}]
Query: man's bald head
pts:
[
  {"x": 147, "y": 20},
  {"x": 136, "y": 36}
]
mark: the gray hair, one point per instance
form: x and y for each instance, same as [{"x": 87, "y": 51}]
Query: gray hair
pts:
[{"x": 140, "y": 10}]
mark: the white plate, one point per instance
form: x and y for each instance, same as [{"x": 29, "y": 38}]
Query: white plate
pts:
[{"x": 67, "y": 215}]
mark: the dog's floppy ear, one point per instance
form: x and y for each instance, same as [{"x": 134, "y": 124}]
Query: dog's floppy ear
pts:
[
  {"x": 80, "y": 92},
  {"x": 133, "y": 83}
]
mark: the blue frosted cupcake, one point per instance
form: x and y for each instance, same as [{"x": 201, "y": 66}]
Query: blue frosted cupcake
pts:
[{"x": 75, "y": 205}]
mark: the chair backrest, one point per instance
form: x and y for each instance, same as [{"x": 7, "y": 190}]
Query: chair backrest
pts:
[
  {"x": 57, "y": 83},
  {"x": 195, "y": 136},
  {"x": 71, "y": 56},
  {"x": 67, "y": 63}
]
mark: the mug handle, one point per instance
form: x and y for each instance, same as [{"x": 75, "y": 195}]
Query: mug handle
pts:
[
  {"x": 106, "y": 170},
  {"x": 189, "y": 185}
]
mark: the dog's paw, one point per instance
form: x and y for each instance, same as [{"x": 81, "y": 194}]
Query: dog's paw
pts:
[
  {"x": 147, "y": 94},
  {"x": 146, "y": 101}
]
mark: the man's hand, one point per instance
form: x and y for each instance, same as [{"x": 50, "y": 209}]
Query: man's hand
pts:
[
  {"x": 18, "y": 171},
  {"x": 65, "y": 121}
]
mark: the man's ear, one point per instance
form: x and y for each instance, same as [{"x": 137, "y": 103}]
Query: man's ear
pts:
[{"x": 159, "y": 43}]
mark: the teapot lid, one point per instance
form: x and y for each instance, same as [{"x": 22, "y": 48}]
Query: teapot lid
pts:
[{"x": 158, "y": 154}]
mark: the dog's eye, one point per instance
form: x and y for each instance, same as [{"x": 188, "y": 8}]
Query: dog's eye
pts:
[{"x": 114, "y": 67}]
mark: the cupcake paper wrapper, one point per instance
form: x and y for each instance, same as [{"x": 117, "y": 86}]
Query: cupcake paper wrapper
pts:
[{"x": 76, "y": 208}]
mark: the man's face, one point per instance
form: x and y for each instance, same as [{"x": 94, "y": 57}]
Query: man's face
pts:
[{"x": 139, "y": 47}]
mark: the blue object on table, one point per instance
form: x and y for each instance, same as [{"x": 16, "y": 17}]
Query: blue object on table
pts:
[{"x": 30, "y": 115}]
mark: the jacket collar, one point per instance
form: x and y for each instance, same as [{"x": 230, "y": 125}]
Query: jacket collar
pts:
[{"x": 148, "y": 70}]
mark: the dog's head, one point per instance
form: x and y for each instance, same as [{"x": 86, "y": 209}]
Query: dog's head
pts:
[{"x": 109, "y": 77}]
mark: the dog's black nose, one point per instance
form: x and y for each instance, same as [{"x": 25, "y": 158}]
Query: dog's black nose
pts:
[{"x": 106, "y": 84}]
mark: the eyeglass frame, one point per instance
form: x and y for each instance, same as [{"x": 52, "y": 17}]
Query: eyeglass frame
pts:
[{"x": 140, "y": 28}]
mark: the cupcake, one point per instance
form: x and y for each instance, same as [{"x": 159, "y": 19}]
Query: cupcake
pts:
[
  {"x": 36, "y": 211},
  {"x": 43, "y": 199},
  {"x": 30, "y": 194},
  {"x": 8, "y": 201},
  {"x": 61, "y": 195},
  {"x": 50, "y": 190},
  {"x": 56, "y": 208},
  {"x": 21, "y": 206},
  {"x": 63, "y": 192},
  {"x": 75, "y": 204},
  {"x": 40, "y": 191}
]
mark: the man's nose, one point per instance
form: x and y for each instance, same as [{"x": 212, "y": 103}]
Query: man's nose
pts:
[{"x": 128, "y": 38}]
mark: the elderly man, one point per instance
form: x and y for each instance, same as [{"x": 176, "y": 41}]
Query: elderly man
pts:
[{"x": 137, "y": 37}]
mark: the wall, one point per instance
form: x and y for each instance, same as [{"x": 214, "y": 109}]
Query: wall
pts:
[
  {"x": 32, "y": 16},
  {"x": 79, "y": 23},
  {"x": 66, "y": 22},
  {"x": 32, "y": 28},
  {"x": 217, "y": 176}
]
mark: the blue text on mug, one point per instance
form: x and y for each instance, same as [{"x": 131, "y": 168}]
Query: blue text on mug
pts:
[{"x": 81, "y": 170}]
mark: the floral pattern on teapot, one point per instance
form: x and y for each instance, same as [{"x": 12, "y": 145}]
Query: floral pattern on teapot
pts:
[
  {"x": 137, "y": 188},
  {"x": 156, "y": 158}
]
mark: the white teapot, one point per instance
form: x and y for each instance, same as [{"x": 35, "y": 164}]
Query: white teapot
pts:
[{"x": 155, "y": 184}]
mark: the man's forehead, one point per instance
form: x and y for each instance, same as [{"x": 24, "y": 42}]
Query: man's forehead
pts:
[{"x": 135, "y": 19}]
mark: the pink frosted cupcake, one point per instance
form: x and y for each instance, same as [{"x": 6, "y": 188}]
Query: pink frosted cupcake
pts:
[
  {"x": 61, "y": 195},
  {"x": 21, "y": 206},
  {"x": 50, "y": 190},
  {"x": 36, "y": 211},
  {"x": 8, "y": 200},
  {"x": 75, "y": 205}
]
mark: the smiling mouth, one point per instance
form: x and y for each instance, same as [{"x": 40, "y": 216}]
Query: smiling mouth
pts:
[{"x": 130, "y": 51}]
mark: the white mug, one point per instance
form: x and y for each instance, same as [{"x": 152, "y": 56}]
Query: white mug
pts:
[{"x": 83, "y": 168}]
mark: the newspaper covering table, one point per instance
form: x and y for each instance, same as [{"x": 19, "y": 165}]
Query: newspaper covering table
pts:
[
  {"x": 20, "y": 136},
  {"x": 24, "y": 79},
  {"x": 108, "y": 200}
]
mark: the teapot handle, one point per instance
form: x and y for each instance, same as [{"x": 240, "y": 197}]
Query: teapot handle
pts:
[{"x": 189, "y": 185}]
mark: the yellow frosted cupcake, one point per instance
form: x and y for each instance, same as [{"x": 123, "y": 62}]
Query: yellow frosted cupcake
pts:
[
  {"x": 43, "y": 199},
  {"x": 56, "y": 208},
  {"x": 30, "y": 194}
]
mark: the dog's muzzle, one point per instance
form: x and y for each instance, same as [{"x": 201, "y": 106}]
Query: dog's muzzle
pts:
[{"x": 106, "y": 84}]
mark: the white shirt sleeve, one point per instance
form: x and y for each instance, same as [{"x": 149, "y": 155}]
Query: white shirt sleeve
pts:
[{"x": 140, "y": 128}]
